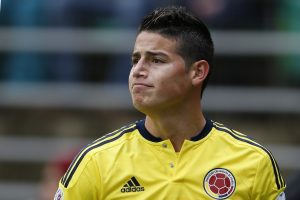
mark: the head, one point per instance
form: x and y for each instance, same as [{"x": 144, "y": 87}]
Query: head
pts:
[
  {"x": 193, "y": 38},
  {"x": 171, "y": 61}
]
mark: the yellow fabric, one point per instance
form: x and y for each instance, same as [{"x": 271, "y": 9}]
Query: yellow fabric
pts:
[{"x": 127, "y": 165}]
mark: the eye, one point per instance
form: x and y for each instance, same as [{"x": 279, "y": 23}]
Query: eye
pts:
[
  {"x": 156, "y": 60},
  {"x": 134, "y": 60}
]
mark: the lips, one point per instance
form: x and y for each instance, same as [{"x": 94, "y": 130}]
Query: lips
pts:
[{"x": 141, "y": 85}]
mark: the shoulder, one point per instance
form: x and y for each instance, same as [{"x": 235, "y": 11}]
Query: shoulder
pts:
[
  {"x": 108, "y": 140},
  {"x": 239, "y": 139},
  {"x": 86, "y": 155},
  {"x": 243, "y": 142},
  {"x": 112, "y": 139}
]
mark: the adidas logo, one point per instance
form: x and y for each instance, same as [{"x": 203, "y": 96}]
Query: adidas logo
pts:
[{"x": 132, "y": 186}]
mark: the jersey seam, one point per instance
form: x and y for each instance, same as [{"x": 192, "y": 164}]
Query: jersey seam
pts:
[
  {"x": 76, "y": 181},
  {"x": 256, "y": 174},
  {"x": 99, "y": 174}
]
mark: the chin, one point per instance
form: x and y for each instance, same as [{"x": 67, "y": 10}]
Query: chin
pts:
[
  {"x": 141, "y": 106},
  {"x": 138, "y": 105}
]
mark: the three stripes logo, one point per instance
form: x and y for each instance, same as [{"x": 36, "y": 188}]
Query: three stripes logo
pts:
[{"x": 132, "y": 186}]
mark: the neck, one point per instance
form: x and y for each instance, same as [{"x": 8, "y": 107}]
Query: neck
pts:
[{"x": 176, "y": 126}]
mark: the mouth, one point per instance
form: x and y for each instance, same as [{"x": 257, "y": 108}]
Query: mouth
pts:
[{"x": 141, "y": 85}]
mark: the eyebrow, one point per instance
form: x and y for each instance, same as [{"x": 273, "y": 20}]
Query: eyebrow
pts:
[{"x": 151, "y": 53}]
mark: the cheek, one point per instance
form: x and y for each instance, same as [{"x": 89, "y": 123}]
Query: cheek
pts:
[
  {"x": 173, "y": 86},
  {"x": 175, "y": 77},
  {"x": 130, "y": 77}
]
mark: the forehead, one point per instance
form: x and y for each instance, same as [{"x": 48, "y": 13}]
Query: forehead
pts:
[{"x": 149, "y": 41}]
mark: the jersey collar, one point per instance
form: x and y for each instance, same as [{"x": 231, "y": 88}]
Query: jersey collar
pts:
[{"x": 147, "y": 135}]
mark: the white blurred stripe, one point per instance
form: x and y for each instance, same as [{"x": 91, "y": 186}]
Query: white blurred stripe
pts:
[
  {"x": 66, "y": 40},
  {"x": 32, "y": 149},
  {"x": 287, "y": 156},
  {"x": 121, "y": 41},
  {"x": 84, "y": 96},
  {"x": 18, "y": 191},
  {"x": 106, "y": 97}
]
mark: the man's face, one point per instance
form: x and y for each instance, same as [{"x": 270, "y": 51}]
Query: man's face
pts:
[{"x": 158, "y": 79}]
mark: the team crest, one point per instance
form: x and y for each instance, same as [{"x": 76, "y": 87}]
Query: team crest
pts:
[
  {"x": 219, "y": 183},
  {"x": 59, "y": 195}
]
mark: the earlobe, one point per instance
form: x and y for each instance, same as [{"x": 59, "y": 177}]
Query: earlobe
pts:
[{"x": 200, "y": 71}]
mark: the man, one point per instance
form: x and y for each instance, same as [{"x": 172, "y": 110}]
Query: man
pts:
[{"x": 175, "y": 153}]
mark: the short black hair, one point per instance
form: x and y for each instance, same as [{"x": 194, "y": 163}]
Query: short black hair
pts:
[{"x": 193, "y": 37}]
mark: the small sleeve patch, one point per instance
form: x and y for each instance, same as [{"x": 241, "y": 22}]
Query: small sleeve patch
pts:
[
  {"x": 281, "y": 196},
  {"x": 59, "y": 195}
]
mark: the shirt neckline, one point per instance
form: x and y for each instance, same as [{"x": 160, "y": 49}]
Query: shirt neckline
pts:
[{"x": 148, "y": 136}]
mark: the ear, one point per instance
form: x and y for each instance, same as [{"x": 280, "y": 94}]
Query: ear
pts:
[{"x": 199, "y": 72}]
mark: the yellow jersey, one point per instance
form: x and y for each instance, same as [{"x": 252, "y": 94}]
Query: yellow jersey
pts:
[{"x": 130, "y": 163}]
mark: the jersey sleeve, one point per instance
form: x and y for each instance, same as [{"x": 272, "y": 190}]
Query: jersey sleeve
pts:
[
  {"x": 82, "y": 181},
  {"x": 269, "y": 183}
]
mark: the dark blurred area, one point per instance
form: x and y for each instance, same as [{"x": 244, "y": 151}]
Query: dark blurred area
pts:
[{"x": 63, "y": 80}]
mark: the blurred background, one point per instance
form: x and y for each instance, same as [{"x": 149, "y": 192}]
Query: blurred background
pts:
[{"x": 63, "y": 80}]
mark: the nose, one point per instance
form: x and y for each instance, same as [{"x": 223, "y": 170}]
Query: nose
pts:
[{"x": 139, "y": 69}]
